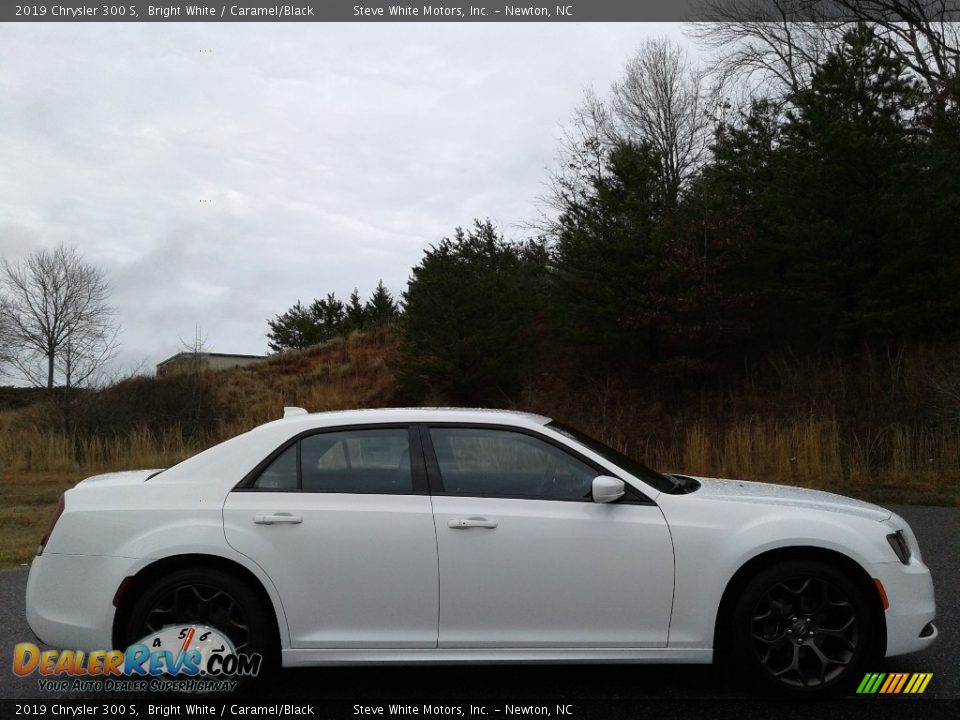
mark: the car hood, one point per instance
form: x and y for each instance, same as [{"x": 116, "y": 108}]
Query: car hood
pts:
[
  {"x": 785, "y": 495},
  {"x": 127, "y": 477}
]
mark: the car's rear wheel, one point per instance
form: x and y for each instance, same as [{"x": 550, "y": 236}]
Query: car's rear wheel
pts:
[
  {"x": 804, "y": 629},
  {"x": 204, "y": 596}
]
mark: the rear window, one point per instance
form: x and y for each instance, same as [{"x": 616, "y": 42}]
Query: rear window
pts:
[{"x": 349, "y": 461}]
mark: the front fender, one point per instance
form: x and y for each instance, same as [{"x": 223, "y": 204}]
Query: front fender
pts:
[{"x": 738, "y": 532}]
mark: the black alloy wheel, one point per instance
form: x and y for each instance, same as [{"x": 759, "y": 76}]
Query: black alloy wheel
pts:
[
  {"x": 804, "y": 629},
  {"x": 202, "y": 604},
  {"x": 205, "y": 596}
]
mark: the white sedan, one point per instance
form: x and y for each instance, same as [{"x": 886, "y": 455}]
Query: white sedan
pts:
[{"x": 474, "y": 536}]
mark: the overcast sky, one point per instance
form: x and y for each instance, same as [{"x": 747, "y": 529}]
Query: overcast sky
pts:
[{"x": 328, "y": 156}]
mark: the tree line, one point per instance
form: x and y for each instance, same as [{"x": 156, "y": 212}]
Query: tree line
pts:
[
  {"x": 800, "y": 195},
  {"x": 326, "y": 318},
  {"x": 686, "y": 230}
]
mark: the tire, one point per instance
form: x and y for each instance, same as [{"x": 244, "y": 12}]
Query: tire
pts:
[
  {"x": 803, "y": 629},
  {"x": 211, "y": 597}
]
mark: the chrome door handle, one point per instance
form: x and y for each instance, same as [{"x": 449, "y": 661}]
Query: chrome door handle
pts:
[
  {"x": 277, "y": 518},
  {"x": 472, "y": 522}
]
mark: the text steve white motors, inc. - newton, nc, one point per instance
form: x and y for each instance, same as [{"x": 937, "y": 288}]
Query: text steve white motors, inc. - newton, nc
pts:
[{"x": 434, "y": 11}]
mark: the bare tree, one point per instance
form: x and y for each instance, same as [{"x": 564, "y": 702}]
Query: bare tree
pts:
[
  {"x": 85, "y": 357},
  {"x": 5, "y": 343},
  {"x": 662, "y": 102},
  {"x": 57, "y": 317},
  {"x": 586, "y": 141},
  {"x": 925, "y": 34},
  {"x": 775, "y": 46},
  {"x": 581, "y": 161},
  {"x": 195, "y": 349},
  {"x": 781, "y": 42}
]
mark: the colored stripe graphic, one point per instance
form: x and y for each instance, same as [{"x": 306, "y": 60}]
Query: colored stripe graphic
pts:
[
  {"x": 892, "y": 679},
  {"x": 903, "y": 680},
  {"x": 870, "y": 683},
  {"x": 918, "y": 683},
  {"x": 894, "y": 683}
]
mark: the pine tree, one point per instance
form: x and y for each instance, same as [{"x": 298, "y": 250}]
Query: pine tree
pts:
[
  {"x": 293, "y": 330},
  {"x": 330, "y": 316},
  {"x": 611, "y": 270},
  {"x": 381, "y": 309},
  {"x": 356, "y": 313},
  {"x": 469, "y": 328}
]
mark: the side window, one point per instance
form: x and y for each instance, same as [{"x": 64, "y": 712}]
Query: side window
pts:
[
  {"x": 357, "y": 461},
  {"x": 281, "y": 474},
  {"x": 479, "y": 461}
]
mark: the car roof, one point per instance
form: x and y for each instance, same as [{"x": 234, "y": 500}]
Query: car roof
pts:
[{"x": 410, "y": 415}]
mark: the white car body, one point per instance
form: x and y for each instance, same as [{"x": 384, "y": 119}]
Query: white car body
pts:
[{"x": 392, "y": 578}]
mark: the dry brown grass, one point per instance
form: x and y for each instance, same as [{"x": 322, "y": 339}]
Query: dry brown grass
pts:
[
  {"x": 914, "y": 466},
  {"x": 886, "y": 430},
  {"x": 883, "y": 426},
  {"x": 344, "y": 373},
  {"x": 28, "y": 501},
  {"x": 37, "y": 464}
]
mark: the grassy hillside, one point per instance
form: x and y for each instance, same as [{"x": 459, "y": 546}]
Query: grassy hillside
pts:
[
  {"x": 883, "y": 428},
  {"x": 38, "y": 461}
]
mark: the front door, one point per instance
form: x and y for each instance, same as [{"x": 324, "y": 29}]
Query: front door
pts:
[{"x": 527, "y": 559}]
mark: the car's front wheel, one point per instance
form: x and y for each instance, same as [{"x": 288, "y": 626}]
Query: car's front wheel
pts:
[{"x": 805, "y": 629}]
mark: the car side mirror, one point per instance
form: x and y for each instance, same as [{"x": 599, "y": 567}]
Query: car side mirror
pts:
[{"x": 607, "y": 489}]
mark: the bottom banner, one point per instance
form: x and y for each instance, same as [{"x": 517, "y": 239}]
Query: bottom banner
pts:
[{"x": 607, "y": 709}]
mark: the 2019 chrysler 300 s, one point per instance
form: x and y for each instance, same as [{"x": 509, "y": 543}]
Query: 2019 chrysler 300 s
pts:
[{"x": 476, "y": 536}]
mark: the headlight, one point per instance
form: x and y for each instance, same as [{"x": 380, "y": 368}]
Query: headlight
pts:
[{"x": 898, "y": 542}]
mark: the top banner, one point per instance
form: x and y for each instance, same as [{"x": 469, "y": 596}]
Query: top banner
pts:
[{"x": 780, "y": 11}]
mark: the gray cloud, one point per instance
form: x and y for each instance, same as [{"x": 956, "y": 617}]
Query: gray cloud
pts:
[{"x": 329, "y": 155}]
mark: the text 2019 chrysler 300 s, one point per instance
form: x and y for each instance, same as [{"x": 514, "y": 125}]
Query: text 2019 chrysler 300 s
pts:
[{"x": 475, "y": 536}]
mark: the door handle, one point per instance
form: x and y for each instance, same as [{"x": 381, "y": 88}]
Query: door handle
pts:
[
  {"x": 277, "y": 518},
  {"x": 473, "y": 522}
]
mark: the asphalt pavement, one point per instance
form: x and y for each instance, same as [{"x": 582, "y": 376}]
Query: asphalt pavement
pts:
[{"x": 937, "y": 529}]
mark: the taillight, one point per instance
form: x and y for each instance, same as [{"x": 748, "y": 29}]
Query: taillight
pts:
[{"x": 53, "y": 521}]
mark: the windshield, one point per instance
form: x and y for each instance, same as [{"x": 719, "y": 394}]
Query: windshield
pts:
[{"x": 638, "y": 470}]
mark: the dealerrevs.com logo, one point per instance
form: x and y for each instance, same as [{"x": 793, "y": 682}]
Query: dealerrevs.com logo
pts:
[{"x": 177, "y": 658}]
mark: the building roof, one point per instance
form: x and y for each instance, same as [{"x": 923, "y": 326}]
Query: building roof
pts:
[{"x": 210, "y": 354}]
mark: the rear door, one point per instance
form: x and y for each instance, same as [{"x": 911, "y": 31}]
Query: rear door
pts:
[
  {"x": 527, "y": 559},
  {"x": 342, "y": 523}
]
